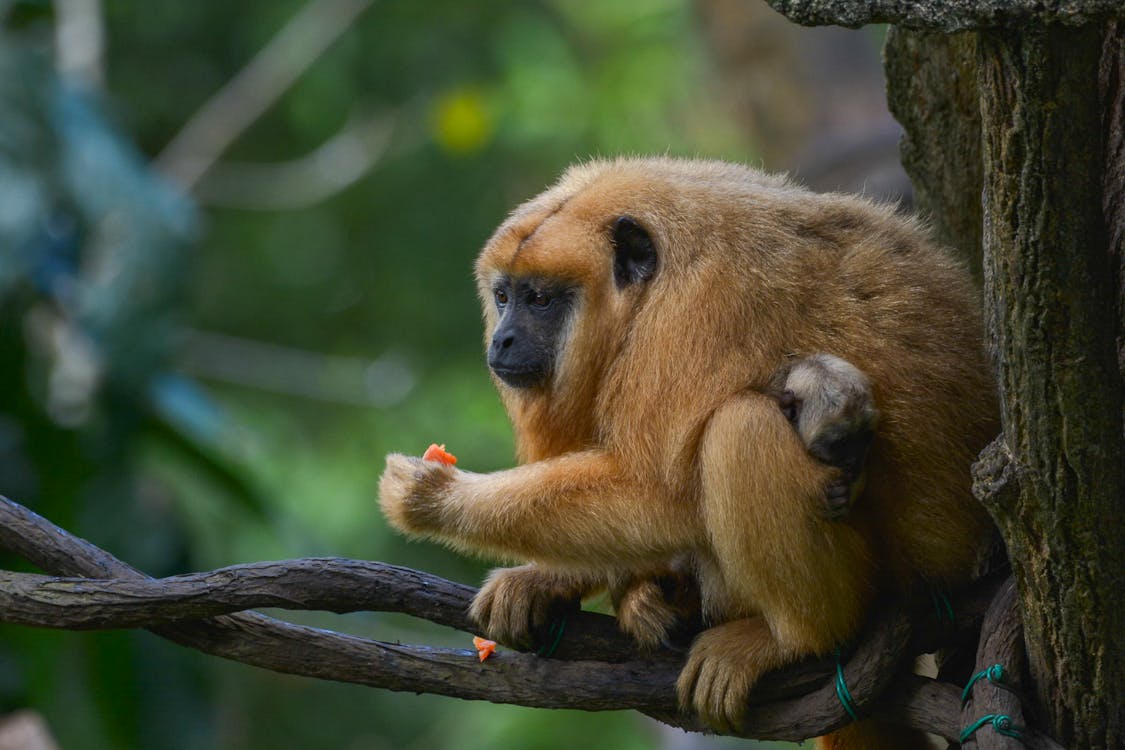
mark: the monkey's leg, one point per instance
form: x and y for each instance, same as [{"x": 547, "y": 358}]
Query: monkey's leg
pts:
[
  {"x": 802, "y": 582},
  {"x": 580, "y": 510}
]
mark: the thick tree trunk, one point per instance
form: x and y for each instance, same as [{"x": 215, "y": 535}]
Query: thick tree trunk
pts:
[
  {"x": 932, "y": 91},
  {"x": 1112, "y": 85},
  {"x": 1051, "y": 294},
  {"x": 1033, "y": 117}
]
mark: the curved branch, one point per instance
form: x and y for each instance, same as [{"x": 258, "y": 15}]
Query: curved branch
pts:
[
  {"x": 1002, "y": 643},
  {"x": 331, "y": 584},
  {"x": 283, "y": 647},
  {"x": 573, "y": 680},
  {"x": 330, "y": 168},
  {"x": 327, "y": 583},
  {"x": 255, "y": 88}
]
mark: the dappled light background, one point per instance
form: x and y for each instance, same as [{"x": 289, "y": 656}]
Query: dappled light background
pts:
[{"x": 236, "y": 243}]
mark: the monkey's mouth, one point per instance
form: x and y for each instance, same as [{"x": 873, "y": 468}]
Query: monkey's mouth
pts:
[{"x": 520, "y": 378}]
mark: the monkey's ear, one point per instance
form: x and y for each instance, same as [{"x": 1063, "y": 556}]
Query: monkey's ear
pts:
[{"x": 634, "y": 255}]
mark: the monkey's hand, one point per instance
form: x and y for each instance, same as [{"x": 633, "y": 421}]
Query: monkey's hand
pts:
[
  {"x": 517, "y": 606},
  {"x": 644, "y": 613},
  {"x": 842, "y": 492},
  {"x": 839, "y": 495},
  {"x": 661, "y": 606},
  {"x": 413, "y": 492}
]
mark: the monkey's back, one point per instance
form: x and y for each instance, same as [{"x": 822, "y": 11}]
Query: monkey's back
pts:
[{"x": 754, "y": 270}]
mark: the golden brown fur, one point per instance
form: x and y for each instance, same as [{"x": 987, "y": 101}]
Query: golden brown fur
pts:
[{"x": 656, "y": 441}]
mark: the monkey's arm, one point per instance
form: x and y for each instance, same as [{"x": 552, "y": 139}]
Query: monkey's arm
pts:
[{"x": 580, "y": 509}]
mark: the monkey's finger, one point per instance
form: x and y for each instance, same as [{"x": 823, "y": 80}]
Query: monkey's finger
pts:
[
  {"x": 481, "y": 608},
  {"x": 685, "y": 684},
  {"x": 508, "y": 622},
  {"x": 499, "y": 605},
  {"x": 734, "y": 704},
  {"x": 710, "y": 700}
]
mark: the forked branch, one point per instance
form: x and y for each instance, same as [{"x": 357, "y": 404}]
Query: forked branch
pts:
[{"x": 595, "y": 667}]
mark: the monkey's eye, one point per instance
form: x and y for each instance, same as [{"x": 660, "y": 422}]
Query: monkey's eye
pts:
[
  {"x": 500, "y": 296},
  {"x": 538, "y": 299}
]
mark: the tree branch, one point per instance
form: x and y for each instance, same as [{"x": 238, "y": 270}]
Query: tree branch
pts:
[
  {"x": 999, "y": 694},
  {"x": 330, "y": 168},
  {"x": 596, "y": 668},
  {"x": 947, "y": 15},
  {"x": 255, "y": 88}
]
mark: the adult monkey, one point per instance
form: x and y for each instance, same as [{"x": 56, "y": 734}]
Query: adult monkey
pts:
[
  {"x": 830, "y": 404},
  {"x": 660, "y": 297}
]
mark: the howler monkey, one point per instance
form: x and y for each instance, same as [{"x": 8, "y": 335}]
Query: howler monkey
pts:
[
  {"x": 635, "y": 314},
  {"x": 829, "y": 403}
]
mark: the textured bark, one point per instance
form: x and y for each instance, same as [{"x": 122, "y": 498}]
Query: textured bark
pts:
[
  {"x": 932, "y": 91},
  {"x": 1111, "y": 80},
  {"x": 795, "y": 703},
  {"x": 1000, "y": 694},
  {"x": 947, "y": 15},
  {"x": 1050, "y": 300}
]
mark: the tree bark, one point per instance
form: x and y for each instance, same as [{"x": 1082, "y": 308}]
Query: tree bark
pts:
[
  {"x": 1111, "y": 80},
  {"x": 932, "y": 91},
  {"x": 1051, "y": 294},
  {"x": 794, "y": 703},
  {"x": 995, "y": 689},
  {"x": 947, "y": 15}
]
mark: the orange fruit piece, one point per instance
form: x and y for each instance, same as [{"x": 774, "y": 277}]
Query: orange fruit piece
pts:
[
  {"x": 437, "y": 453},
  {"x": 483, "y": 646}
]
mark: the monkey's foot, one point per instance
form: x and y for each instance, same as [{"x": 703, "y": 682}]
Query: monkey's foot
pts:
[
  {"x": 517, "y": 606},
  {"x": 723, "y": 665}
]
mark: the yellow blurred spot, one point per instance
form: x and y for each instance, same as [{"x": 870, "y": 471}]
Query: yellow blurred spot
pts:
[{"x": 461, "y": 122}]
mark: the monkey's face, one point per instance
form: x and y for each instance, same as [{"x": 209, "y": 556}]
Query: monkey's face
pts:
[
  {"x": 556, "y": 292},
  {"x": 532, "y": 315}
]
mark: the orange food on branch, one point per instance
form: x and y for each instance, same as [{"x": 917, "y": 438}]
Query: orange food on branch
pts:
[{"x": 483, "y": 646}]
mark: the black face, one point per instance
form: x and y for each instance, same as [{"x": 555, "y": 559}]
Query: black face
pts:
[{"x": 533, "y": 314}]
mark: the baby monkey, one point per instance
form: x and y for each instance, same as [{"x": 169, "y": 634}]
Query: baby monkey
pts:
[{"x": 829, "y": 402}]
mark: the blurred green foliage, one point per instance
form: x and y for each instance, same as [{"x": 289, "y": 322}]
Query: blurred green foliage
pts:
[{"x": 150, "y": 453}]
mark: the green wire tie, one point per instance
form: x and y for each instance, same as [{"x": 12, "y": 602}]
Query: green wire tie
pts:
[
  {"x": 556, "y": 629},
  {"x": 1000, "y": 722},
  {"x": 994, "y": 674},
  {"x": 842, "y": 691},
  {"x": 943, "y": 607}
]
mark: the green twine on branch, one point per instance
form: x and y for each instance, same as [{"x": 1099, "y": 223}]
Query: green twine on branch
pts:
[
  {"x": 1000, "y": 722},
  {"x": 943, "y": 607},
  {"x": 555, "y": 631},
  {"x": 842, "y": 691},
  {"x": 994, "y": 674}
]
